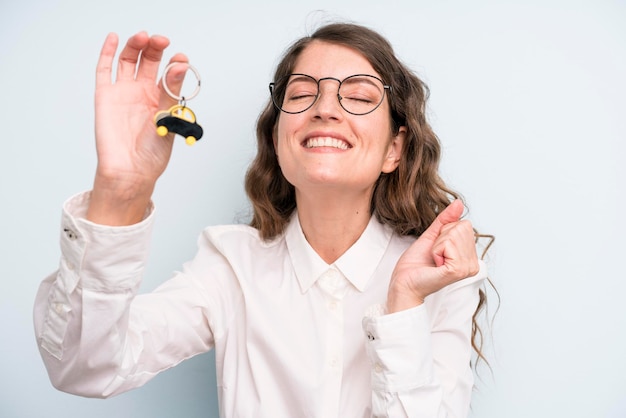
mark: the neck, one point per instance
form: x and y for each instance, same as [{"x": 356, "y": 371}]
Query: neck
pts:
[{"x": 332, "y": 223}]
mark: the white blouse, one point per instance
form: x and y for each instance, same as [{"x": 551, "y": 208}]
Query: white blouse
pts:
[{"x": 293, "y": 336}]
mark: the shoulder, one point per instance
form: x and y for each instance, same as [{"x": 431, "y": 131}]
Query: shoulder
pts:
[
  {"x": 238, "y": 237},
  {"x": 240, "y": 250}
]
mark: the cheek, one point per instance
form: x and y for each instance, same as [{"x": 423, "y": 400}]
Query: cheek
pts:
[
  {"x": 279, "y": 132},
  {"x": 281, "y": 148},
  {"x": 377, "y": 134},
  {"x": 279, "y": 140},
  {"x": 285, "y": 132}
]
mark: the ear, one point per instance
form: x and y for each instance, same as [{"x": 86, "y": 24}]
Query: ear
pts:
[{"x": 394, "y": 153}]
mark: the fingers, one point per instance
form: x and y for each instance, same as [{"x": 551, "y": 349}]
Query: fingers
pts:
[
  {"x": 453, "y": 241},
  {"x": 455, "y": 248},
  {"x": 129, "y": 57},
  {"x": 141, "y": 57},
  {"x": 105, "y": 61},
  {"x": 140, "y": 60},
  {"x": 151, "y": 58},
  {"x": 445, "y": 253}
]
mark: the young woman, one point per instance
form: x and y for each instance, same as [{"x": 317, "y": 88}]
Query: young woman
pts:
[{"x": 350, "y": 294}]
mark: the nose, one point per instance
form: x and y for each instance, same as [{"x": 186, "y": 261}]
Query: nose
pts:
[{"x": 327, "y": 104}]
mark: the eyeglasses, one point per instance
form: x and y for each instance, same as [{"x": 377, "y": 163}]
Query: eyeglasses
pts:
[{"x": 358, "y": 94}]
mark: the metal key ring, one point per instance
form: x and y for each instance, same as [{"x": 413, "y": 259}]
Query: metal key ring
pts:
[{"x": 169, "y": 92}]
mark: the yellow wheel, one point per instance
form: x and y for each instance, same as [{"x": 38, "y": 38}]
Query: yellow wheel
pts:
[
  {"x": 190, "y": 140},
  {"x": 162, "y": 131}
]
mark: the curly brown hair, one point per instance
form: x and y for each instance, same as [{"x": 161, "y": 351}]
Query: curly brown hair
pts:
[{"x": 409, "y": 198}]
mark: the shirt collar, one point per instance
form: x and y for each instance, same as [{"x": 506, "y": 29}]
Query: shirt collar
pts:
[{"x": 358, "y": 264}]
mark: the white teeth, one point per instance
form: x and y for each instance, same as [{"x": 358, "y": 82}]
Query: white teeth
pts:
[{"x": 326, "y": 142}]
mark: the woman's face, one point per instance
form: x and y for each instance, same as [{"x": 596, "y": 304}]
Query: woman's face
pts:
[{"x": 327, "y": 147}]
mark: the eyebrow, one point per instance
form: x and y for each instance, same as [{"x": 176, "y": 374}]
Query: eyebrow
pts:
[
  {"x": 361, "y": 78},
  {"x": 301, "y": 77},
  {"x": 369, "y": 78}
]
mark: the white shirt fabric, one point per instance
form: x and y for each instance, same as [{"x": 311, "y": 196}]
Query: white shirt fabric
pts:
[{"x": 293, "y": 336}]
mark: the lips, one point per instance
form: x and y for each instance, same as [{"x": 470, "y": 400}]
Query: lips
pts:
[{"x": 326, "y": 141}]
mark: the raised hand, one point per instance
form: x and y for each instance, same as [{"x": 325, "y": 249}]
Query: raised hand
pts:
[
  {"x": 131, "y": 156},
  {"x": 442, "y": 255}
]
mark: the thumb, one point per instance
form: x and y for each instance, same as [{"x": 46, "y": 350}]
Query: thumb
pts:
[{"x": 452, "y": 213}]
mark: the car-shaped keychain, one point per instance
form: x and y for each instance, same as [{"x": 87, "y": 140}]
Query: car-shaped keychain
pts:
[{"x": 180, "y": 120}]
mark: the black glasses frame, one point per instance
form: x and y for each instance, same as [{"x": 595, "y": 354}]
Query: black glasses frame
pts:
[{"x": 272, "y": 86}]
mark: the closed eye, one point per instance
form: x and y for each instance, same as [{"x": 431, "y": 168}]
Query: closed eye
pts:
[{"x": 359, "y": 99}]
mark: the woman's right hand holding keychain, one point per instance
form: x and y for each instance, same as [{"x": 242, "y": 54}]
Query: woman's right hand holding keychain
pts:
[{"x": 131, "y": 155}]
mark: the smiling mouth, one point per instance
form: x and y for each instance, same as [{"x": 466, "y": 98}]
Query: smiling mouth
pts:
[{"x": 328, "y": 142}]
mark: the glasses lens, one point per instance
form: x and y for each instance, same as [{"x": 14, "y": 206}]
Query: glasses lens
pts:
[
  {"x": 361, "y": 94},
  {"x": 295, "y": 93}
]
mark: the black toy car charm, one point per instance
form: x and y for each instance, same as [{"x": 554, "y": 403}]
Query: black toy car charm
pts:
[{"x": 180, "y": 120}]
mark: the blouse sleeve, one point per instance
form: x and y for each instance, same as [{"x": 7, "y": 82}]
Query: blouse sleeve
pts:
[
  {"x": 420, "y": 357},
  {"x": 95, "y": 336}
]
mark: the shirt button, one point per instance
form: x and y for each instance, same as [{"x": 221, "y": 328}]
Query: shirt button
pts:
[
  {"x": 58, "y": 308},
  {"x": 378, "y": 367},
  {"x": 333, "y": 274},
  {"x": 71, "y": 235},
  {"x": 370, "y": 336}
]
